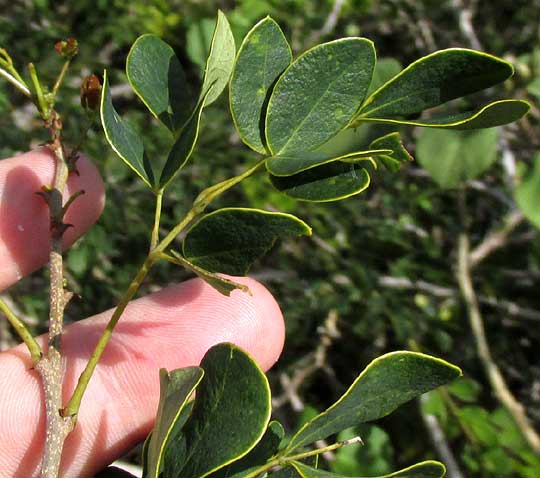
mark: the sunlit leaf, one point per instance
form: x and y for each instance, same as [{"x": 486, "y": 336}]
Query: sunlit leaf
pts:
[
  {"x": 384, "y": 385},
  {"x": 318, "y": 95},
  {"x": 157, "y": 77},
  {"x": 220, "y": 62},
  {"x": 263, "y": 56},
  {"x": 123, "y": 138}
]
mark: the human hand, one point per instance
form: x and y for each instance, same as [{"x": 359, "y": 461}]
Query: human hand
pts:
[{"x": 169, "y": 329}]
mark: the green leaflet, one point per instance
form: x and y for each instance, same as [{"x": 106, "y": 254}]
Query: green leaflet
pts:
[
  {"x": 318, "y": 95},
  {"x": 497, "y": 113},
  {"x": 329, "y": 182},
  {"x": 221, "y": 284},
  {"x": 265, "y": 449},
  {"x": 425, "y": 469},
  {"x": 262, "y": 57},
  {"x": 229, "y": 240},
  {"x": 230, "y": 414},
  {"x": 183, "y": 146},
  {"x": 452, "y": 157},
  {"x": 384, "y": 385},
  {"x": 176, "y": 388},
  {"x": 398, "y": 154},
  {"x": 157, "y": 77},
  {"x": 527, "y": 193},
  {"x": 289, "y": 165},
  {"x": 122, "y": 138},
  {"x": 435, "y": 79},
  {"x": 220, "y": 62}
]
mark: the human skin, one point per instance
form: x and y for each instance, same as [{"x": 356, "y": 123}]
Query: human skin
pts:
[{"x": 169, "y": 329}]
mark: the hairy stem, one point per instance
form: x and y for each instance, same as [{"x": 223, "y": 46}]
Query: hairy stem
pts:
[
  {"x": 24, "y": 333},
  {"x": 50, "y": 367}
]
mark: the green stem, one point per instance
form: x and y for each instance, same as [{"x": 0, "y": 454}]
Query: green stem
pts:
[
  {"x": 285, "y": 460},
  {"x": 202, "y": 201},
  {"x": 61, "y": 77},
  {"x": 157, "y": 218},
  {"x": 42, "y": 105},
  {"x": 24, "y": 333},
  {"x": 72, "y": 408},
  {"x": 12, "y": 75}
]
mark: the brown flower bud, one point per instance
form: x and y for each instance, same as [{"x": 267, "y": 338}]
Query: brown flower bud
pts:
[
  {"x": 67, "y": 48},
  {"x": 90, "y": 92}
]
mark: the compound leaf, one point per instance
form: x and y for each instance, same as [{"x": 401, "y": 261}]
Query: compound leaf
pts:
[
  {"x": 123, "y": 138},
  {"x": 452, "y": 157},
  {"x": 425, "y": 469},
  {"x": 318, "y": 95},
  {"x": 176, "y": 388},
  {"x": 384, "y": 385},
  {"x": 262, "y": 57},
  {"x": 158, "y": 79},
  {"x": 229, "y": 416},
  {"x": 229, "y": 240},
  {"x": 329, "y": 182},
  {"x": 289, "y": 165},
  {"x": 220, "y": 62},
  {"x": 435, "y": 79}
]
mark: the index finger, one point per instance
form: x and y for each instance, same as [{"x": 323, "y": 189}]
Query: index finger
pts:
[{"x": 24, "y": 216}]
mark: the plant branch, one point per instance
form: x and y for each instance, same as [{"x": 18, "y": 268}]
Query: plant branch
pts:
[
  {"x": 41, "y": 104},
  {"x": 496, "y": 380},
  {"x": 286, "y": 460},
  {"x": 50, "y": 367},
  {"x": 157, "y": 218},
  {"x": 24, "y": 333},
  {"x": 439, "y": 441},
  {"x": 496, "y": 239},
  {"x": 72, "y": 407},
  {"x": 61, "y": 77}
]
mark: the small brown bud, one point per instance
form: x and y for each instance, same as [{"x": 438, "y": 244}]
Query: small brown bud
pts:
[
  {"x": 90, "y": 92},
  {"x": 67, "y": 48}
]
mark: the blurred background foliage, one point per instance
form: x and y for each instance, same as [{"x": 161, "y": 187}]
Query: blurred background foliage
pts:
[{"x": 379, "y": 272}]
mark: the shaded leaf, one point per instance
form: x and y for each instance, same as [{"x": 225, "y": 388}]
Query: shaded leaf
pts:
[
  {"x": 221, "y": 284},
  {"x": 263, "y": 56},
  {"x": 527, "y": 193},
  {"x": 425, "y": 469},
  {"x": 122, "y": 137},
  {"x": 318, "y": 95},
  {"x": 330, "y": 182},
  {"x": 384, "y": 385},
  {"x": 230, "y": 414},
  {"x": 452, "y": 157},
  {"x": 183, "y": 146},
  {"x": 157, "y": 77},
  {"x": 497, "y": 113},
  {"x": 399, "y": 154},
  {"x": 220, "y": 62},
  {"x": 114, "y": 472},
  {"x": 288, "y": 165},
  {"x": 265, "y": 449},
  {"x": 435, "y": 79},
  {"x": 176, "y": 388},
  {"x": 229, "y": 240}
]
